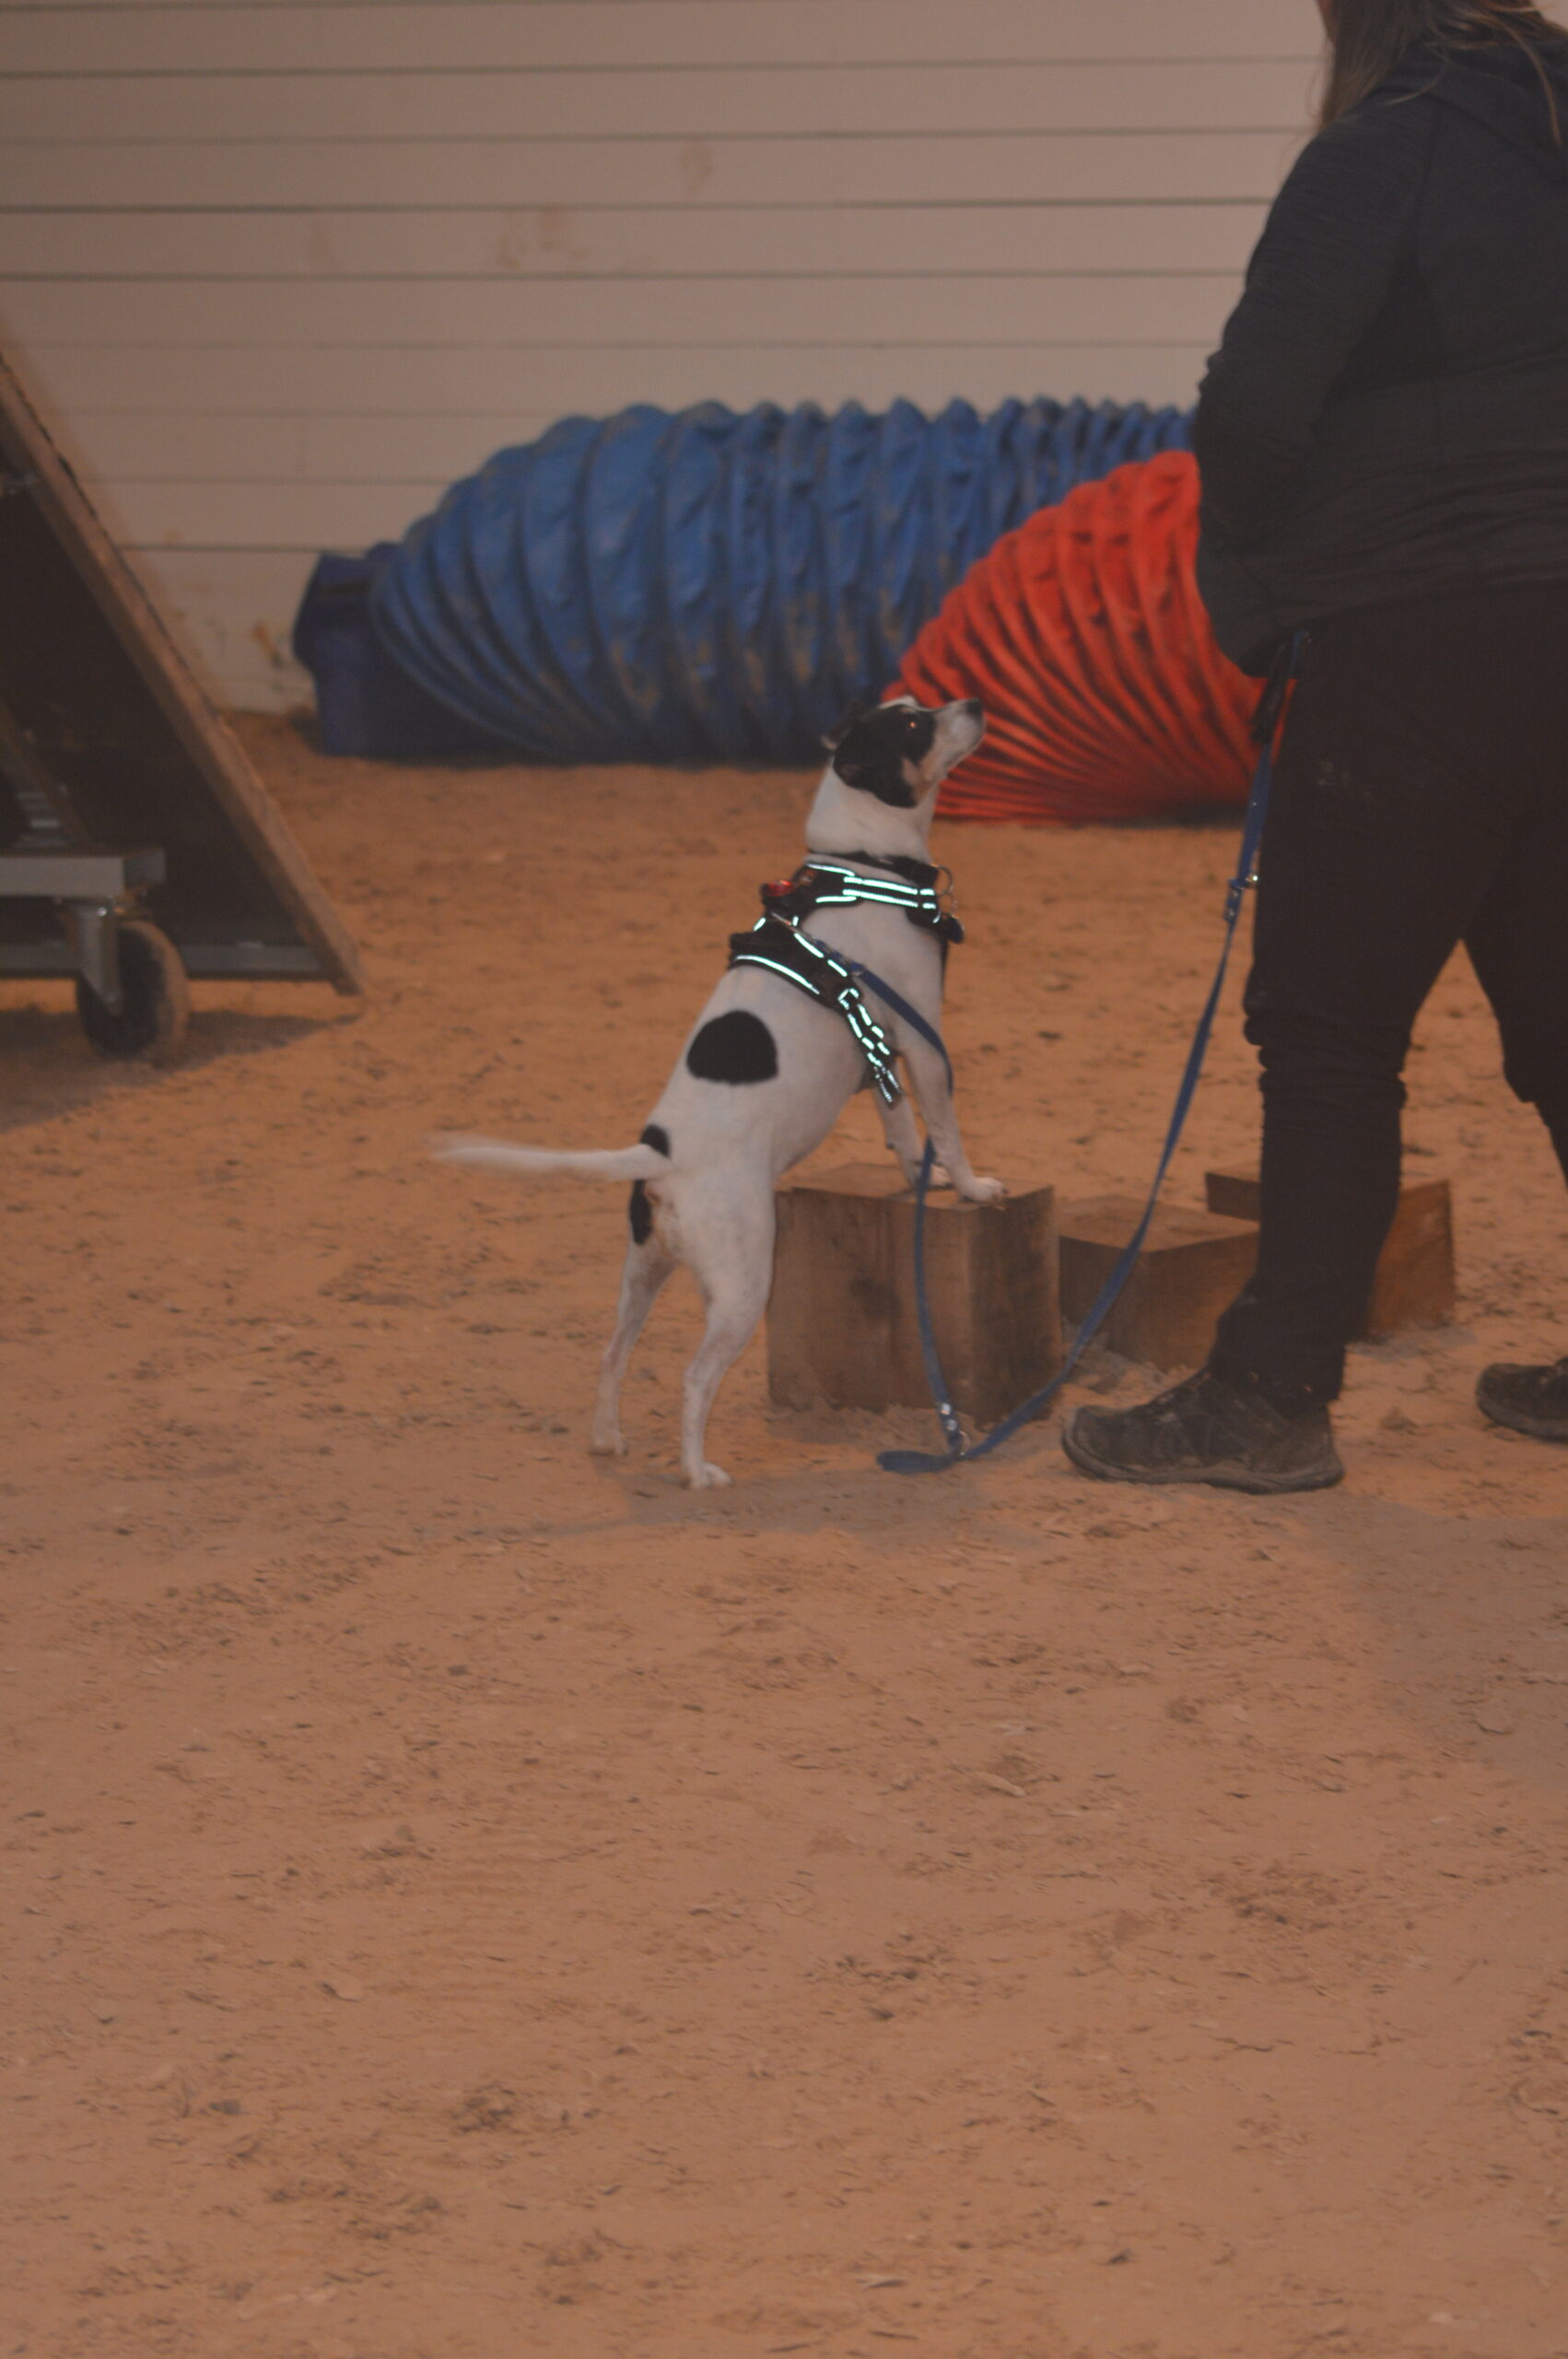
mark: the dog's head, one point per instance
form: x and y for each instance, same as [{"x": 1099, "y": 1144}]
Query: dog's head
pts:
[{"x": 901, "y": 752}]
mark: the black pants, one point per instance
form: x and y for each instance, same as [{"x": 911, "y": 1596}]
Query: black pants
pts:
[{"x": 1422, "y": 800}]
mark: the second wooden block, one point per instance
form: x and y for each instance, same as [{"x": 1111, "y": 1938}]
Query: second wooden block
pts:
[{"x": 1192, "y": 1265}]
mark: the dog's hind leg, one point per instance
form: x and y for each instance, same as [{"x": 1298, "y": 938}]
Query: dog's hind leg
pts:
[
  {"x": 732, "y": 1257},
  {"x": 648, "y": 1264}
]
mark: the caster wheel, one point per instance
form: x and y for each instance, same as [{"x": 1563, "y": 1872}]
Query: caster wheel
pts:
[{"x": 156, "y": 1000}]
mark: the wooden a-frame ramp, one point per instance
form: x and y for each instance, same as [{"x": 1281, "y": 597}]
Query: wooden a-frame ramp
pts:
[{"x": 109, "y": 723}]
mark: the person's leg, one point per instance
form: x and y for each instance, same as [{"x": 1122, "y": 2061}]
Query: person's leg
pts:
[
  {"x": 1555, "y": 1113},
  {"x": 1518, "y": 944},
  {"x": 1332, "y": 1098},
  {"x": 1399, "y": 803},
  {"x": 1388, "y": 824},
  {"x": 1556, "y": 1120},
  {"x": 1517, "y": 937}
]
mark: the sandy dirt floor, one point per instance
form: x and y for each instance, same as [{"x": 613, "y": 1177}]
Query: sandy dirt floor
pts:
[{"x": 467, "y": 1898}]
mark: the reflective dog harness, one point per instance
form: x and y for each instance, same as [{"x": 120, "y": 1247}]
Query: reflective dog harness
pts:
[
  {"x": 915, "y": 890},
  {"x": 778, "y": 944}
]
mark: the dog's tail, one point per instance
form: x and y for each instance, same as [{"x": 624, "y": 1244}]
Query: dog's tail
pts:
[{"x": 641, "y": 1162}]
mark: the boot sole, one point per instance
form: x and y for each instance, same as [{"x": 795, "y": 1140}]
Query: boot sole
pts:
[
  {"x": 1231, "y": 1477},
  {"x": 1519, "y": 1421}
]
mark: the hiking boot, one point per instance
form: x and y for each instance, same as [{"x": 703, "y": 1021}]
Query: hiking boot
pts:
[
  {"x": 1206, "y": 1431},
  {"x": 1531, "y": 1400}
]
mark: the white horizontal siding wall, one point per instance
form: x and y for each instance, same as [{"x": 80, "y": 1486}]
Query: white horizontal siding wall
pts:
[{"x": 281, "y": 270}]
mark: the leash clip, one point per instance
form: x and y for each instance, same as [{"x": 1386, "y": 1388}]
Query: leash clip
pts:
[
  {"x": 1277, "y": 686},
  {"x": 1245, "y": 880}
]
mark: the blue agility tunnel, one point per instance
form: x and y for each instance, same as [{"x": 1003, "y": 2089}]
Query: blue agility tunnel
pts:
[{"x": 695, "y": 586}]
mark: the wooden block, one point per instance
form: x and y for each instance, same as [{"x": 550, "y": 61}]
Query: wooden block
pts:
[
  {"x": 1416, "y": 1284},
  {"x": 1193, "y": 1265},
  {"x": 841, "y": 1326}
]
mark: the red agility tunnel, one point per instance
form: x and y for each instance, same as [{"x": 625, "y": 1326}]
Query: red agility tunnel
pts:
[{"x": 1084, "y": 636}]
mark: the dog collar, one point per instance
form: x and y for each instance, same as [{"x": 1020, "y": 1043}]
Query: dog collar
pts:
[
  {"x": 824, "y": 883},
  {"x": 913, "y": 872}
]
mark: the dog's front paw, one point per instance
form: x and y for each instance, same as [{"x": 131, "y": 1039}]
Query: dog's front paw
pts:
[
  {"x": 608, "y": 1441},
  {"x": 709, "y": 1477},
  {"x": 985, "y": 1191}
]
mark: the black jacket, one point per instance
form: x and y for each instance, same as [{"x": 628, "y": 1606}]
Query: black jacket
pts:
[{"x": 1388, "y": 412}]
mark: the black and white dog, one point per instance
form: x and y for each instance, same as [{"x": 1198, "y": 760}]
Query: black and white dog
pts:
[{"x": 768, "y": 1070}]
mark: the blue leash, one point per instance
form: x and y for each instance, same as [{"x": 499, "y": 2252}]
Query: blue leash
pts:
[{"x": 918, "y": 1461}]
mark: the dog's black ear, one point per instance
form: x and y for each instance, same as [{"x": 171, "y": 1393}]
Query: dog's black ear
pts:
[
  {"x": 832, "y": 738},
  {"x": 857, "y": 770}
]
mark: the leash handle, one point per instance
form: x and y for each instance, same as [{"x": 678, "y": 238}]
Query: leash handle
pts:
[{"x": 915, "y": 1461}]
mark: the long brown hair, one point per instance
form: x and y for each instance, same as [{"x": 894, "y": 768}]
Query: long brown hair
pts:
[{"x": 1369, "y": 38}]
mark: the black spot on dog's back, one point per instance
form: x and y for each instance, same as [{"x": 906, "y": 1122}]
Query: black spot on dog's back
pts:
[
  {"x": 734, "y": 1048},
  {"x": 639, "y": 1212},
  {"x": 658, "y": 1138}
]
